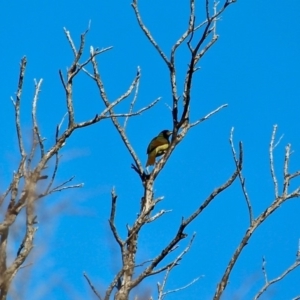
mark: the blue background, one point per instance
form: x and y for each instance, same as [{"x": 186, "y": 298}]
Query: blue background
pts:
[{"x": 254, "y": 67}]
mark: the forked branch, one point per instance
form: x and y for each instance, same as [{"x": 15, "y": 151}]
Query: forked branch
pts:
[
  {"x": 278, "y": 201},
  {"x": 280, "y": 277}
]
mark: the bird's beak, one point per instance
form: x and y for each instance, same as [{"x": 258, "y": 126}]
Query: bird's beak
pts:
[{"x": 169, "y": 133}]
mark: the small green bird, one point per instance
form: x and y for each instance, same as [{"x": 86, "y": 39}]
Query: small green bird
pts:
[{"x": 158, "y": 146}]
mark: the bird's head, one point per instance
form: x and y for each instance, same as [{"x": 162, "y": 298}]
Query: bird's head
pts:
[{"x": 166, "y": 133}]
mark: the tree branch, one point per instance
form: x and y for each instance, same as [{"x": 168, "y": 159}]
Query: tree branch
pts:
[
  {"x": 161, "y": 293},
  {"x": 91, "y": 286},
  {"x": 112, "y": 219},
  {"x": 134, "y": 5},
  {"x": 279, "y": 200},
  {"x": 269, "y": 283},
  {"x": 242, "y": 179},
  {"x": 17, "y": 106}
]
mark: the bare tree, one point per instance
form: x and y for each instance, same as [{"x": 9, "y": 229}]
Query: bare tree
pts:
[
  {"x": 23, "y": 192},
  {"x": 128, "y": 277},
  {"x": 25, "y": 188},
  {"x": 124, "y": 280}
]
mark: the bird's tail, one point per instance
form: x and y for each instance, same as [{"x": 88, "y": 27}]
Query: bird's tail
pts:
[{"x": 151, "y": 160}]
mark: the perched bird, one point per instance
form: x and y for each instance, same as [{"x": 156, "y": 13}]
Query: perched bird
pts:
[{"x": 158, "y": 146}]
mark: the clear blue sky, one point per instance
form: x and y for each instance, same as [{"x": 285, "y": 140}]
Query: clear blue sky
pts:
[{"x": 254, "y": 67}]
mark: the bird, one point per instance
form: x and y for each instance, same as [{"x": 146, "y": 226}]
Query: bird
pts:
[{"x": 158, "y": 146}]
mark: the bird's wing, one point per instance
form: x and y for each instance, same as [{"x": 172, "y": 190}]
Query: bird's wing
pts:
[
  {"x": 160, "y": 150},
  {"x": 156, "y": 142}
]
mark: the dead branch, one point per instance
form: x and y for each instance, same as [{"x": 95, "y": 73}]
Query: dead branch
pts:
[
  {"x": 278, "y": 201},
  {"x": 180, "y": 289},
  {"x": 157, "y": 215},
  {"x": 285, "y": 169},
  {"x": 143, "y": 263},
  {"x": 74, "y": 186},
  {"x": 271, "y": 150},
  {"x": 17, "y": 106},
  {"x": 161, "y": 287},
  {"x": 112, "y": 219},
  {"x": 113, "y": 284},
  {"x": 133, "y": 101},
  {"x": 269, "y": 283},
  {"x": 180, "y": 128},
  {"x": 36, "y": 130},
  {"x": 24, "y": 186},
  {"x": 92, "y": 286},
  {"x": 207, "y": 116},
  {"x": 14, "y": 184},
  {"x": 242, "y": 179},
  {"x": 180, "y": 233},
  {"x": 134, "y": 5},
  {"x": 116, "y": 123},
  {"x": 8, "y": 273}
]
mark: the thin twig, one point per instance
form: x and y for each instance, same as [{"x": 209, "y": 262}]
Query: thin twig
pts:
[
  {"x": 157, "y": 215},
  {"x": 91, "y": 286},
  {"x": 104, "y": 114},
  {"x": 161, "y": 293},
  {"x": 17, "y": 106},
  {"x": 242, "y": 179},
  {"x": 251, "y": 229},
  {"x": 269, "y": 283},
  {"x": 133, "y": 101},
  {"x": 172, "y": 67},
  {"x": 143, "y": 263},
  {"x": 112, "y": 219},
  {"x": 271, "y": 149},
  {"x": 79, "y": 185},
  {"x": 60, "y": 187},
  {"x": 26, "y": 266},
  {"x": 134, "y": 4},
  {"x": 285, "y": 169},
  {"x": 72, "y": 45},
  {"x": 181, "y": 288},
  {"x": 113, "y": 285},
  {"x": 59, "y": 125},
  {"x": 80, "y": 66},
  {"x": 207, "y": 116},
  {"x": 207, "y": 9},
  {"x": 207, "y": 47},
  {"x": 93, "y": 53},
  {"x": 64, "y": 183},
  {"x": 184, "y": 223},
  {"x": 191, "y": 29},
  {"x": 114, "y": 119},
  {"x": 72, "y": 72},
  {"x": 216, "y": 19},
  {"x": 34, "y": 120},
  {"x": 53, "y": 174},
  {"x": 13, "y": 187},
  {"x": 4, "y": 195}
]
